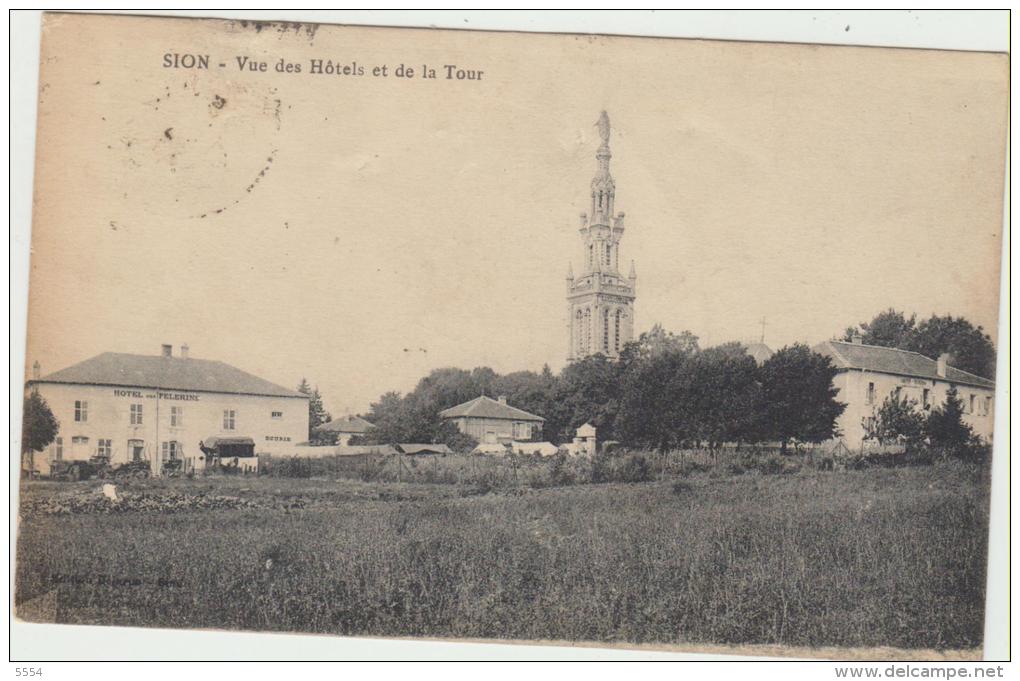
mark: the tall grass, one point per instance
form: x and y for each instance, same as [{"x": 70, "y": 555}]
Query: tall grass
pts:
[
  {"x": 515, "y": 470},
  {"x": 881, "y": 557}
]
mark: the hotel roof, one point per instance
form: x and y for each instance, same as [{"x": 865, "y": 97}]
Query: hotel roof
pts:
[
  {"x": 894, "y": 361},
  {"x": 166, "y": 373}
]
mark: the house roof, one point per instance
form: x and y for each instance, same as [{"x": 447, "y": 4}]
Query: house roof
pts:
[
  {"x": 543, "y": 448},
  {"x": 490, "y": 448},
  {"x": 894, "y": 361},
  {"x": 166, "y": 373},
  {"x": 347, "y": 424},
  {"x": 487, "y": 408},
  {"x": 358, "y": 450},
  {"x": 424, "y": 449}
]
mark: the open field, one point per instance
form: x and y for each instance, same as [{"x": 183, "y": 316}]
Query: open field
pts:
[{"x": 869, "y": 558}]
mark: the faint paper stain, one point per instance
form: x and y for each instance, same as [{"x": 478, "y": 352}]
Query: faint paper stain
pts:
[{"x": 248, "y": 190}]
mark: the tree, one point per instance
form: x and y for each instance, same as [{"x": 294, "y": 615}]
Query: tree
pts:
[
  {"x": 945, "y": 427},
  {"x": 449, "y": 435},
  {"x": 719, "y": 386},
  {"x": 652, "y": 411},
  {"x": 39, "y": 427},
  {"x": 658, "y": 341},
  {"x": 317, "y": 414},
  {"x": 392, "y": 420},
  {"x": 890, "y": 329},
  {"x": 896, "y": 420},
  {"x": 970, "y": 347},
  {"x": 588, "y": 392},
  {"x": 798, "y": 398}
]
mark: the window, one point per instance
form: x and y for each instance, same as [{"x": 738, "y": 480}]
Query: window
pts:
[
  {"x": 136, "y": 414},
  {"x": 871, "y": 393},
  {"x": 58, "y": 449},
  {"x": 970, "y": 404},
  {"x": 277, "y": 415},
  {"x": 898, "y": 392},
  {"x": 171, "y": 450},
  {"x": 176, "y": 417},
  {"x": 104, "y": 448},
  {"x": 609, "y": 255},
  {"x": 988, "y": 407},
  {"x": 522, "y": 431},
  {"x": 81, "y": 411},
  {"x": 228, "y": 419},
  {"x": 926, "y": 398},
  {"x": 591, "y": 255}
]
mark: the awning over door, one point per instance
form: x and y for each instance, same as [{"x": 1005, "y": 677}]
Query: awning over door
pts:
[{"x": 228, "y": 446}]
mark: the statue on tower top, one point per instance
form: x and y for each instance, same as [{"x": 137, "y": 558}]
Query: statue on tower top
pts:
[{"x": 603, "y": 126}]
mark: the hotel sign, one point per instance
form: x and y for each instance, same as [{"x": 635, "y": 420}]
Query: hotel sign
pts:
[{"x": 176, "y": 397}]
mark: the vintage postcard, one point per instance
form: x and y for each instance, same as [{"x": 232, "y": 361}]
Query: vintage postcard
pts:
[{"x": 467, "y": 335}]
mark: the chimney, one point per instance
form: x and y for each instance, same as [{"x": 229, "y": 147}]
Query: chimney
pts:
[
  {"x": 502, "y": 399},
  {"x": 941, "y": 364},
  {"x": 184, "y": 351},
  {"x": 36, "y": 370},
  {"x": 856, "y": 338},
  {"x": 168, "y": 350}
]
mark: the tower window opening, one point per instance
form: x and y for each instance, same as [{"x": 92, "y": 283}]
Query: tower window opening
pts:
[
  {"x": 588, "y": 331},
  {"x": 609, "y": 255},
  {"x": 578, "y": 332},
  {"x": 619, "y": 313},
  {"x": 605, "y": 330}
]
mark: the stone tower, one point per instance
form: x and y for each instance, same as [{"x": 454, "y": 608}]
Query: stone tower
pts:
[{"x": 600, "y": 302}]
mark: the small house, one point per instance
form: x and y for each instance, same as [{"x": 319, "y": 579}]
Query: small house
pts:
[
  {"x": 345, "y": 428},
  {"x": 494, "y": 421}
]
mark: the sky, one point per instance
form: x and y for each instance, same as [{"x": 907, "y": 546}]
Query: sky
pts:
[{"x": 360, "y": 231}]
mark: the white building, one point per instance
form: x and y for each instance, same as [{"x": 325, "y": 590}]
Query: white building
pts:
[
  {"x": 156, "y": 408},
  {"x": 870, "y": 373}
]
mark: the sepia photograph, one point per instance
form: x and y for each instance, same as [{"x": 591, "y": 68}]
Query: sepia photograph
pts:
[{"x": 566, "y": 339}]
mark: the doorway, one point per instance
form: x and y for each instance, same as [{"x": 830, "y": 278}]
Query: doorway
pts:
[{"x": 136, "y": 449}]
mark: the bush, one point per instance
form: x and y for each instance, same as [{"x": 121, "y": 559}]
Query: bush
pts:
[
  {"x": 681, "y": 487},
  {"x": 621, "y": 467}
]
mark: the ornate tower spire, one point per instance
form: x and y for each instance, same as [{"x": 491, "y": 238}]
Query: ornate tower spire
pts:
[
  {"x": 600, "y": 300},
  {"x": 603, "y": 189}
]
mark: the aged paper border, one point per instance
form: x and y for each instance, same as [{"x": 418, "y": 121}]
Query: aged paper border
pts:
[{"x": 35, "y": 641}]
